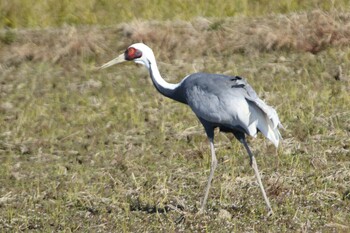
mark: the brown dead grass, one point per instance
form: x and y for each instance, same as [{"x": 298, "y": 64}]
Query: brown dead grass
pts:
[
  {"x": 311, "y": 32},
  {"x": 56, "y": 46}
]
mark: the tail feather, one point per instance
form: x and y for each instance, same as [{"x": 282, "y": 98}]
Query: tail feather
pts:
[{"x": 265, "y": 118}]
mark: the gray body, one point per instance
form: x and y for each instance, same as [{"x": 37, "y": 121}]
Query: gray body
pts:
[
  {"x": 210, "y": 96},
  {"x": 227, "y": 102}
]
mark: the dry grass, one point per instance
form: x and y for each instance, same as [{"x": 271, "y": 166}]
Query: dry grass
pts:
[
  {"x": 306, "y": 32},
  {"x": 38, "y": 45},
  {"x": 98, "y": 151}
]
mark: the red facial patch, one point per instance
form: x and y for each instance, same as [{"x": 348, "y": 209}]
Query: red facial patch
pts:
[{"x": 132, "y": 53}]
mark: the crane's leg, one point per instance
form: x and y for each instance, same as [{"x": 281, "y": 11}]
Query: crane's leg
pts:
[
  {"x": 257, "y": 174},
  {"x": 213, "y": 165}
]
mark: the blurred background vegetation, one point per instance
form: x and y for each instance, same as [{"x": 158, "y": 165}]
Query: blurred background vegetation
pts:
[{"x": 53, "y": 13}]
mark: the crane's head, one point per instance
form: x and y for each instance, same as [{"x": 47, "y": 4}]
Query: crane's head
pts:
[{"x": 139, "y": 53}]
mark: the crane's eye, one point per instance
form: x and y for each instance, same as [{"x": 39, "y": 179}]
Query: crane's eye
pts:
[{"x": 132, "y": 53}]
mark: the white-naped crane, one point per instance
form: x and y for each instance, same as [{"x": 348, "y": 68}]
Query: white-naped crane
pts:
[{"x": 226, "y": 102}]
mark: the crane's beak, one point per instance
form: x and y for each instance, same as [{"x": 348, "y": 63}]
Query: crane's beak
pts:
[{"x": 119, "y": 59}]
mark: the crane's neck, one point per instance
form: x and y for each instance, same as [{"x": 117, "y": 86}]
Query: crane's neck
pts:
[{"x": 167, "y": 89}]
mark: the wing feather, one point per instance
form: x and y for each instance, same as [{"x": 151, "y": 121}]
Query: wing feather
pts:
[{"x": 233, "y": 103}]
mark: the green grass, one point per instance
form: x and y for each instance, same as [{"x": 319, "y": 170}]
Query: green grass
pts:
[
  {"x": 101, "y": 151},
  {"x": 29, "y": 13}
]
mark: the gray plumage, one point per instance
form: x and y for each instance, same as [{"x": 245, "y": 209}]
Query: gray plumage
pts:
[{"x": 227, "y": 102}]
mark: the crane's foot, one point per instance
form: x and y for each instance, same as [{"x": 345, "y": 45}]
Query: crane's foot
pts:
[
  {"x": 183, "y": 215},
  {"x": 181, "y": 219},
  {"x": 270, "y": 213},
  {"x": 201, "y": 211}
]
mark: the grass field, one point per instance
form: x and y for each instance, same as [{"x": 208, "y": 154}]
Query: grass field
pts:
[
  {"x": 50, "y": 13},
  {"x": 101, "y": 151}
]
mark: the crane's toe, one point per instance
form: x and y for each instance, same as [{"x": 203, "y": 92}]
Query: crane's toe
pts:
[
  {"x": 270, "y": 213},
  {"x": 201, "y": 211}
]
